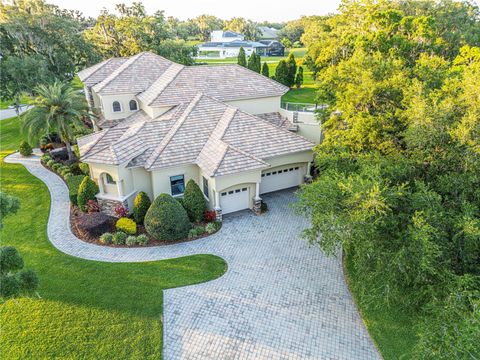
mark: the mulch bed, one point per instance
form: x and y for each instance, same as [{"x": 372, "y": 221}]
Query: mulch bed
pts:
[{"x": 76, "y": 215}]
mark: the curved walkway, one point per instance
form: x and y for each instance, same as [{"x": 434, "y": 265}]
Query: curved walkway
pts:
[{"x": 279, "y": 299}]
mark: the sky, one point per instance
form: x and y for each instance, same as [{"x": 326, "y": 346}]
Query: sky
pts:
[{"x": 257, "y": 10}]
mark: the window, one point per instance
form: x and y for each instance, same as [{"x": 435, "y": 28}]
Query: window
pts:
[
  {"x": 133, "y": 105},
  {"x": 109, "y": 179},
  {"x": 296, "y": 168},
  {"x": 177, "y": 184},
  {"x": 116, "y": 106},
  {"x": 205, "y": 186}
]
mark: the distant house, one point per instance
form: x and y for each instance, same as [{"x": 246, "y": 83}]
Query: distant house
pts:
[
  {"x": 274, "y": 47},
  {"x": 226, "y": 36},
  {"x": 224, "y": 44},
  {"x": 268, "y": 33}
]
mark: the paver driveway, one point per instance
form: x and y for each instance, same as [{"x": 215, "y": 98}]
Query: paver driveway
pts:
[{"x": 279, "y": 299}]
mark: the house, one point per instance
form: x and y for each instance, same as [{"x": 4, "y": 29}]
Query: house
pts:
[
  {"x": 222, "y": 50},
  {"x": 226, "y": 36},
  {"x": 268, "y": 33},
  {"x": 274, "y": 47},
  {"x": 162, "y": 124}
]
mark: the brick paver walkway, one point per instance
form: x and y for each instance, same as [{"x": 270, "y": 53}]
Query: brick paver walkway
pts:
[{"x": 279, "y": 299}]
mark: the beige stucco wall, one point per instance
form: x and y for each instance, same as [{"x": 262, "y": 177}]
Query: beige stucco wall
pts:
[
  {"x": 142, "y": 181},
  {"x": 161, "y": 177},
  {"x": 296, "y": 158},
  {"x": 123, "y": 99},
  {"x": 308, "y": 125},
  {"x": 258, "y": 105}
]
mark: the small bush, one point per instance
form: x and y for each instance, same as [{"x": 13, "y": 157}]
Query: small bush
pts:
[
  {"x": 75, "y": 169},
  {"x": 194, "y": 202},
  {"x": 56, "y": 166},
  {"x": 211, "y": 228},
  {"x": 209, "y": 216},
  {"x": 196, "y": 231},
  {"x": 142, "y": 239},
  {"x": 28, "y": 280},
  {"x": 126, "y": 225},
  {"x": 106, "y": 238},
  {"x": 25, "y": 149},
  {"x": 86, "y": 191},
  {"x": 67, "y": 176},
  {"x": 131, "y": 240},
  {"x": 91, "y": 226},
  {"x": 9, "y": 286},
  {"x": 45, "y": 158},
  {"x": 119, "y": 238},
  {"x": 73, "y": 183},
  {"x": 50, "y": 163},
  {"x": 166, "y": 219},
  {"x": 120, "y": 211},
  {"x": 84, "y": 168},
  {"x": 140, "y": 207},
  {"x": 10, "y": 260},
  {"x": 263, "y": 207}
]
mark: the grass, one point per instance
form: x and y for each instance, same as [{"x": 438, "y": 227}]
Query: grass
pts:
[
  {"x": 5, "y": 104},
  {"x": 391, "y": 327},
  {"x": 302, "y": 95},
  {"x": 87, "y": 309}
]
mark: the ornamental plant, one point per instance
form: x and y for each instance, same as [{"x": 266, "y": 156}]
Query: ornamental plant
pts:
[
  {"x": 73, "y": 183},
  {"x": 25, "y": 149},
  {"x": 142, "y": 239},
  {"x": 106, "y": 238},
  {"x": 209, "y": 215},
  {"x": 13, "y": 279},
  {"x": 166, "y": 219},
  {"x": 140, "y": 207},
  {"x": 194, "y": 202},
  {"x": 119, "y": 238},
  {"x": 120, "y": 211},
  {"x": 86, "y": 191},
  {"x": 126, "y": 225}
]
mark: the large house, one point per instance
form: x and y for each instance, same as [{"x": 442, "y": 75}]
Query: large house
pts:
[
  {"x": 162, "y": 124},
  {"x": 225, "y": 44}
]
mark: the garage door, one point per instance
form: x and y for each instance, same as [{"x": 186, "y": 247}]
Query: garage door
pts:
[
  {"x": 280, "y": 179},
  {"x": 234, "y": 200}
]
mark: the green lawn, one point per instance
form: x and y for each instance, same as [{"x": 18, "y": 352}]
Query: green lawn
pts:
[
  {"x": 302, "y": 95},
  {"x": 87, "y": 309},
  {"x": 392, "y": 328}
]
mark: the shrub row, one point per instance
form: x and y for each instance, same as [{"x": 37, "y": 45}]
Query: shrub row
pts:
[{"x": 120, "y": 238}]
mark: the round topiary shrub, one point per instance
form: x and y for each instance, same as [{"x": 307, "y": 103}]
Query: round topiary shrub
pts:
[
  {"x": 131, "y": 240},
  {"x": 140, "y": 207},
  {"x": 9, "y": 286},
  {"x": 126, "y": 225},
  {"x": 166, "y": 219},
  {"x": 119, "y": 238},
  {"x": 194, "y": 202},
  {"x": 28, "y": 280},
  {"x": 10, "y": 260},
  {"x": 142, "y": 239},
  {"x": 86, "y": 191},
  {"x": 106, "y": 238},
  {"x": 92, "y": 226},
  {"x": 25, "y": 149}
]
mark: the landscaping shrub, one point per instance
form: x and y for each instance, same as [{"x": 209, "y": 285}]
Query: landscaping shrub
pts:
[
  {"x": 120, "y": 211},
  {"x": 25, "y": 149},
  {"x": 56, "y": 166},
  {"x": 209, "y": 215},
  {"x": 75, "y": 169},
  {"x": 119, "y": 238},
  {"x": 131, "y": 240},
  {"x": 106, "y": 238},
  {"x": 73, "y": 183},
  {"x": 166, "y": 219},
  {"x": 126, "y": 225},
  {"x": 28, "y": 280},
  {"x": 140, "y": 207},
  {"x": 50, "y": 163},
  {"x": 142, "y": 239},
  {"x": 45, "y": 158},
  {"x": 86, "y": 191},
  {"x": 9, "y": 286},
  {"x": 263, "y": 207},
  {"x": 196, "y": 231},
  {"x": 64, "y": 170},
  {"x": 10, "y": 260},
  {"x": 194, "y": 202},
  {"x": 92, "y": 226},
  {"x": 84, "y": 168},
  {"x": 211, "y": 227},
  {"x": 92, "y": 207}
]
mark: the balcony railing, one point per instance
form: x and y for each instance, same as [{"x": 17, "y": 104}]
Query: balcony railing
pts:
[{"x": 300, "y": 107}]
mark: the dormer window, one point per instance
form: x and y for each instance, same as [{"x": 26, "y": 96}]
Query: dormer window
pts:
[
  {"x": 133, "y": 105},
  {"x": 116, "y": 106}
]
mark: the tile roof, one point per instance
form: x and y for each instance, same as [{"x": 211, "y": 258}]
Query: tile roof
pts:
[
  {"x": 219, "y": 138},
  {"x": 160, "y": 82}
]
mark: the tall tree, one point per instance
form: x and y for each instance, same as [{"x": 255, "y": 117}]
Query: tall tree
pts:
[
  {"x": 205, "y": 24},
  {"x": 291, "y": 69},
  {"x": 265, "y": 70},
  {"x": 281, "y": 73},
  {"x": 241, "y": 58},
  {"x": 243, "y": 26},
  {"x": 57, "y": 108},
  {"x": 299, "y": 77}
]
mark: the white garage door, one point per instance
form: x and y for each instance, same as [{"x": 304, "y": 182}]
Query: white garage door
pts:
[
  {"x": 234, "y": 200},
  {"x": 280, "y": 179}
]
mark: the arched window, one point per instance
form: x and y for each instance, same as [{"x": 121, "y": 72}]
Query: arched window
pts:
[
  {"x": 133, "y": 105},
  {"x": 116, "y": 106}
]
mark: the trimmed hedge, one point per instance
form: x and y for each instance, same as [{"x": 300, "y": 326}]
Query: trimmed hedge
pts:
[
  {"x": 166, "y": 219},
  {"x": 73, "y": 183},
  {"x": 194, "y": 202},
  {"x": 86, "y": 191},
  {"x": 140, "y": 207},
  {"x": 25, "y": 149},
  {"x": 126, "y": 225}
]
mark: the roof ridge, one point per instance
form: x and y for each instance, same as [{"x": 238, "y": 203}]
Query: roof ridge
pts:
[
  {"x": 96, "y": 141},
  {"x": 98, "y": 67},
  {"x": 243, "y": 152},
  {"x": 178, "y": 70},
  {"x": 173, "y": 130},
  {"x": 113, "y": 75},
  {"x": 235, "y": 149}
]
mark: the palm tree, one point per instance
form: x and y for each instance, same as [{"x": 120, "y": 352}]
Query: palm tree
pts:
[{"x": 57, "y": 108}]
